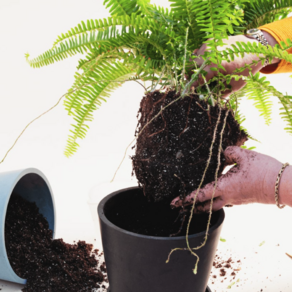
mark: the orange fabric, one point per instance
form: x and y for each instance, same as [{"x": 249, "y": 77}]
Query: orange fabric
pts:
[{"x": 281, "y": 30}]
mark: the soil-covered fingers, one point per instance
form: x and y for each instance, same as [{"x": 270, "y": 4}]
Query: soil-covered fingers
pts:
[
  {"x": 205, "y": 194},
  {"x": 234, "y": 154},
  {"x": 218, "y": 203}
]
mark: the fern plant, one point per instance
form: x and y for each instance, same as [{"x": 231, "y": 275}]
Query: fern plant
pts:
[{"x": 141, "y": 41}]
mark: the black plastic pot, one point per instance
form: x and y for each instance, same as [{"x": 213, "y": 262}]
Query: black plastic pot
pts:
[{"x": 137, "y": 263}]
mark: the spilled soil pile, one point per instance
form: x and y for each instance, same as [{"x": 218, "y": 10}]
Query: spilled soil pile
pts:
[
  {"x": 173, "y": 149},
  {"x": 47, "y": 264}
]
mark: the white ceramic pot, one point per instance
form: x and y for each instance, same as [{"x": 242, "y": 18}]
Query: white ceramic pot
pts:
[{"x": 32, "y": 185}]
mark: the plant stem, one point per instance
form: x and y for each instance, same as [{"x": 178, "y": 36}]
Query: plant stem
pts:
[
  {"x": 162, "y": 72},
  {"x": 188, "y": 85},
  {"x": 209, "y": 91},
  {"x": 185, "y": 56}
]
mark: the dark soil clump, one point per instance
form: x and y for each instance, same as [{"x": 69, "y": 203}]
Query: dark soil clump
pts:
[
  {"x": 47, "y": 264},
  {"x": 134, "y": 213},
  {"x": 172, "y": 151}
]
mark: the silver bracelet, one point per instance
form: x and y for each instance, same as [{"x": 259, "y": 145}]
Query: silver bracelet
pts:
[{"x": 259, "y": 36}]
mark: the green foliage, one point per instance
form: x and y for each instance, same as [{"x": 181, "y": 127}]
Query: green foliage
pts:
[
  {"x": 143, "y": 41},
  {"x": 256, "y": 90},
  {"x": 87, "y": 95},
  {"x": 260, "y": 12}
]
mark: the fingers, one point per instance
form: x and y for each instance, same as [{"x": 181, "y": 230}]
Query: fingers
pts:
[
  {"x": 234, "y": 154},
  {"x": 204, "y": 195},
  {"x": 218, "y": 203}
]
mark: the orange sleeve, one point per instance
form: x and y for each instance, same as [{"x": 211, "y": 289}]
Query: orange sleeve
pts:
[{"x": 281, "y": 30}]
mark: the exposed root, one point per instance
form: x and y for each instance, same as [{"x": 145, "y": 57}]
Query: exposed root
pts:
[
  {"x": 187, "y": 121},
  {"x": 161, "y": 129},
  {"x": 141, "y": 131},
  {"x": 198, "y": 189}
]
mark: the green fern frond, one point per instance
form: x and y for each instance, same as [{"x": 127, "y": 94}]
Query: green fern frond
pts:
[
  {"x": 121, "y": 7},
  {"x": 134, "y": 20},
  {"x": 215, "y": 18},
  {"x": 254, "y": 91},
  {"x": 234, "y": 102},
  {"x": 257, "y": 48},
  {"x": 260, "y": 12},
  {"x": 88, "y": 96},
  {"x": 157, "y": 13},
  {"x": 183, "y": 11},
  {"x": 286, "y": 112},
  {"x": 79, "y": 44},
  {"x": 108, "y": 40},
  {"x": 285, "y": 100},
  {"x": 96, "y": 57}
]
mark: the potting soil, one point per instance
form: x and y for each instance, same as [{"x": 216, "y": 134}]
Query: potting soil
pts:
[
  {"x": 47, "y": 264},
  {"x": 174, "y": 146}
]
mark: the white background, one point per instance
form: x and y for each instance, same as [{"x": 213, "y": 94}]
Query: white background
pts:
[{"x": 32, "y": 26}]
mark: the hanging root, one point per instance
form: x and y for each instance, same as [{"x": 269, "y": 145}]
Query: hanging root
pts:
[
  {"x": 198, "y": 189},
  {"x": 156, "y": 116},
  {"x": 183, "y": 211}
]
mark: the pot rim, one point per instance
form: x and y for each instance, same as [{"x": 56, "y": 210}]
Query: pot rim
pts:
[
  {"x": 103, "y": 218},
  {"x": 7, "y": 189}
]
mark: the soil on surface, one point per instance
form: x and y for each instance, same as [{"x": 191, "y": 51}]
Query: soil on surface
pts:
[
  {"x": 224, "y": 269},
  {"x": 47, "y": 264},
  {"x": 133, "y": 212},
  {"x": 172, "y": 151}
]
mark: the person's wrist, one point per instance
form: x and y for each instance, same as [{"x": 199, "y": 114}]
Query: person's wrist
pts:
[
  {"x": 268, "y": 183},
  {"x": 285, "y": 190},
  {"x": 272, "y": 42}
]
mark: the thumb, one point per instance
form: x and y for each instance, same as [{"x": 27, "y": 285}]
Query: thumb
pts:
[{"x": 234, "y": 154}]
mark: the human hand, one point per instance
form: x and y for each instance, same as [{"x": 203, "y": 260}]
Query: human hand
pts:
[
  {"x": 251, "y": 180},
  {"x": 237, "y": 63}
]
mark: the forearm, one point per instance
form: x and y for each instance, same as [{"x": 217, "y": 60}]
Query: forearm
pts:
[
  {"x": 285, "y": 189},
  {"x": 278, "y": 31},
  {"x": 272, "y": 42}
]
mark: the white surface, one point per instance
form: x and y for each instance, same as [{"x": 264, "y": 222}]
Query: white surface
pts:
[{"x": 32, "y": 26}]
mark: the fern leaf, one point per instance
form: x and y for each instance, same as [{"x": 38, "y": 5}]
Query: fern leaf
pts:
[
  {"x": 78, "y": 44},
  {"x": 184, "y": 12},
  {"x": 82, "y": 28},
  {"x": 258, "y": 49},
  {"x": 121, "y": 7},
  {"x": 260, "y": 12},
  {"x": 234, "y": 102},
  {"x": 285, "y": 100},
  {"x": 261, "y": 98},
  {"x": 286, "y": 112},
  {"x": 81, "y": 102},
  {"x": 214, "y": 20}
]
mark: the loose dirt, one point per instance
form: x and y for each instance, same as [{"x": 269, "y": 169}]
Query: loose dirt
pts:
[
  {"x": 172, "y": 151},
  {"x": 48, "y": 265}
]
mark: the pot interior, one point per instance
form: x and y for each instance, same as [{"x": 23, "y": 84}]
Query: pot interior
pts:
[{"x": 130, "y": 210}]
